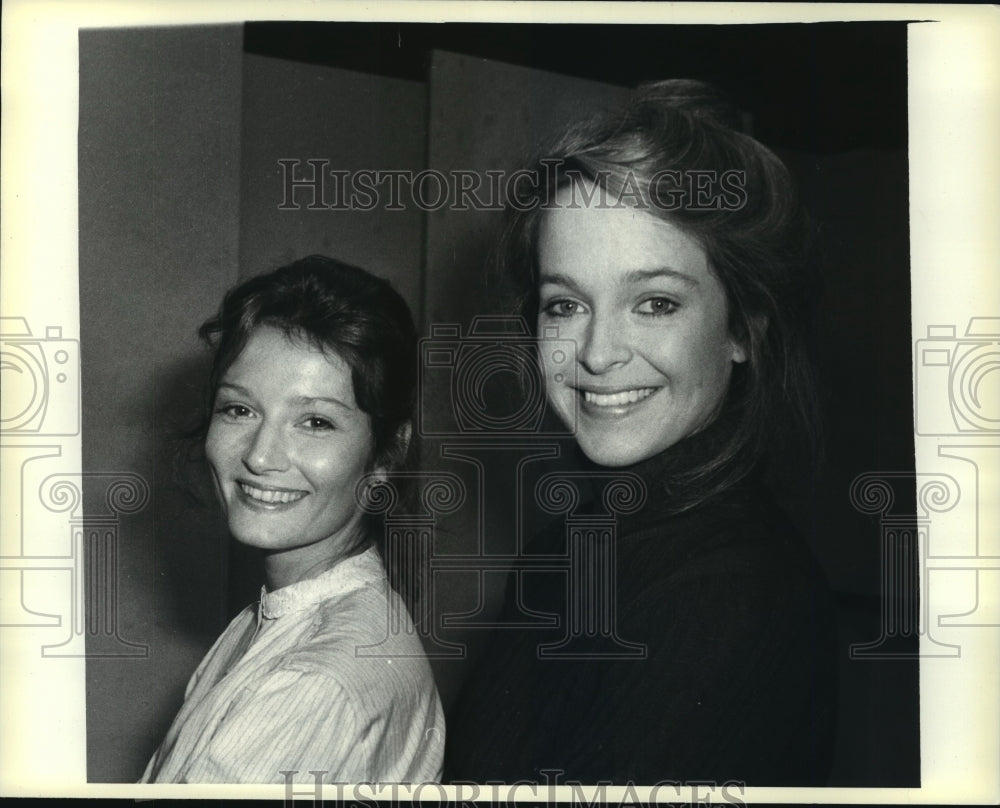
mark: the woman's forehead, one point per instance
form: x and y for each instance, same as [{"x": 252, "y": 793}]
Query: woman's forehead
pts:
[
  {"x": 271, "y": 353},
  {"x": 623, "y": 240}
]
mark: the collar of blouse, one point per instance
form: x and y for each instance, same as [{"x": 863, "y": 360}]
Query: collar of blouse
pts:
[{"x": 347, "y": 575}]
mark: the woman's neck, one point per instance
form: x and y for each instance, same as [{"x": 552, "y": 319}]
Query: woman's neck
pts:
[{"x": 283, "y": 568}]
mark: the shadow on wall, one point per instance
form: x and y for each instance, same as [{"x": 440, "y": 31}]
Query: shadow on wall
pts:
[{"x": 192, "y": 537}]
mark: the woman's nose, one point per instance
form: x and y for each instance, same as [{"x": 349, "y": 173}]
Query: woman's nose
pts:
[
  {"x": 604, "y": 345},
  {"x": 266, "y": 450}
]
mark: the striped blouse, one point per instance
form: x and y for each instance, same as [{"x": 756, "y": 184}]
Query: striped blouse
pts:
[{"x": 310, "y": 679}]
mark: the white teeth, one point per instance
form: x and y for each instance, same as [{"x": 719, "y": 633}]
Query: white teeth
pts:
[
  {"x": 261, "y": 495},
  {"x": 618, "y": 399}
]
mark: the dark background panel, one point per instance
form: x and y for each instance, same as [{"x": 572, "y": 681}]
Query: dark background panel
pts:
[{"x": 820, "y": 87}]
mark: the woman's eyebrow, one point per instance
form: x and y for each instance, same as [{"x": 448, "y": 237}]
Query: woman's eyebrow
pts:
[
  {"x": 640, "y": 275},
  {"x": 632, "y": 276},
  {"x": 236, "y": 388},
  {"x": 557, "y": 279},
  {"x": 327, "y": 399},
  {"x": 299, "y": 400}
]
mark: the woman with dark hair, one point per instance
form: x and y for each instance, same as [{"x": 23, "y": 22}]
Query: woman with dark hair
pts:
[
  {"x": 312, "y": 394},
  {"x": 671, "y": 249}
]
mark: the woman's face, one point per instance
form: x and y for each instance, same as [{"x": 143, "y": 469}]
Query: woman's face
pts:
[
  {"x": 287, "y": 444},
  {"x": 649, "y": 320}
]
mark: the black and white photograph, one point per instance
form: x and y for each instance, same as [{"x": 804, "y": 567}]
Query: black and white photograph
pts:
[{"x": 593, "y": 404}]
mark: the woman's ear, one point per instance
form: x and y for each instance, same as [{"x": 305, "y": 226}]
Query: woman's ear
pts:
[
  {"x": 398, "y": 454},
  {"x": 756, "y": 330},
  {"x": 403, "y": 436}
]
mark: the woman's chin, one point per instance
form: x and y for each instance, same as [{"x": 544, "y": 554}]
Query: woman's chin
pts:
[
  {"x": 614, "y": 453},
  {"x": 252, "y": 535}
]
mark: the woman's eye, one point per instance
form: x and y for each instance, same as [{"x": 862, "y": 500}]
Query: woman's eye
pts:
[
  {"x": 234, "y": 410},
  {"x": 657, "y": 306},
  {"x": 562, "y": 308},
  {"x": 318, "y": 423}
]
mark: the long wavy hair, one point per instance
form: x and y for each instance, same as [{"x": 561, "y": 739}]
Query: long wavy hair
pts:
[{"x": 760, "y": 249}]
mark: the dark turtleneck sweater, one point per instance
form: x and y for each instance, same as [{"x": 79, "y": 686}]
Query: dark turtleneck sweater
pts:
[{"x": 738, "y": 680}]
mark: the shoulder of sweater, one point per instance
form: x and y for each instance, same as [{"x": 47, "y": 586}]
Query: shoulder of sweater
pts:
[
  {"x": 742, "y": 524},
  {"x": 745, "y": 549}
]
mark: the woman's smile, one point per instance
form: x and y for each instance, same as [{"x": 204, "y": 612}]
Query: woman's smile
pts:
[
  {"x": 269, "y": 496},
  {"x": 287, "y": 446},
  {"x": 613, "y": 404},
  {"x": 649, "y": 320}
]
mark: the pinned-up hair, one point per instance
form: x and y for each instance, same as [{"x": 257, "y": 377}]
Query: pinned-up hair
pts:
[
  {"x": 337, "y": 308},
  {"x": 348, "y": 312}
]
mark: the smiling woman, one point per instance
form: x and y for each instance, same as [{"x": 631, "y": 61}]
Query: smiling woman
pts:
[
  {"x": 689, "y": 326},
  {"x": 654, "y": 351},
  {"x": 287, "y": 446},
  {"x": 312, "y": 392}
]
